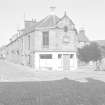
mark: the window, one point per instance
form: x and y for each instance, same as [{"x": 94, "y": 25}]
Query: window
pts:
[
  {"x": 18, "y": 52},
  {"x": 65, "y": 28},
  {"x": 29, "y": 59},
  {"x": 7, "y": 53},
  {"x": 71, "y": 56},
  {"x": 22, "y": 44},
  {"x": 29, "y": 42},
  {"x": 46, "y": 39},
  {"x": 12, "y": 51},
  {"x": 45, "y": 56},
  {"x": 59, "y": 56}
]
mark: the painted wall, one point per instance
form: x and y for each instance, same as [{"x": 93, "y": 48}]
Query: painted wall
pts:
[
  {"x": 56, "y": 43},
  {"x": 54, "y": 63}
]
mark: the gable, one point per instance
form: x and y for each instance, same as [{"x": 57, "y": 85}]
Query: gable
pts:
[
  {"x": 65, "y": 22},
  {"x": 49, "y": 21}
]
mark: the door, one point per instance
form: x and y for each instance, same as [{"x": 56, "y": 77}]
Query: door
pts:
[{"x": 66, "y": 61}]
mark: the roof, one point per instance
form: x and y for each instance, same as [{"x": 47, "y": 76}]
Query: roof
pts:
[
  {"x": 65, "y": 16},
  {"x": 48, "y": 21},
  {"x": 82, "y": 37},
  {"x": 100, "y": 42}
]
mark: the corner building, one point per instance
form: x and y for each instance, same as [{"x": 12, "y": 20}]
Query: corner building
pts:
[{"x": 49, "y": 44}]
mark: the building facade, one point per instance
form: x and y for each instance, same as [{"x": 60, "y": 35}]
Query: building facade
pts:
[{"x": 47, "y": 44}]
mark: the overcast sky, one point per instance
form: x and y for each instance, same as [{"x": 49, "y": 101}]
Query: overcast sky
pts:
[{"x": 89, "y": 14}]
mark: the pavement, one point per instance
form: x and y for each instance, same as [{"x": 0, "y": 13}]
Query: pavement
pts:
[{"x": 13, "y": 72}]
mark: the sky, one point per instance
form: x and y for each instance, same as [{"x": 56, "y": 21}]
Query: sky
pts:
[{"x": 89, "y": 14}]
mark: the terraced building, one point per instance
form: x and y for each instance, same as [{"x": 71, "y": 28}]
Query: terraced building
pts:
[{"x": 50, "y": 43}]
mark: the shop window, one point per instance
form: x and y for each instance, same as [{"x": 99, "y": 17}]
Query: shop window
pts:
[
  {"x": 59, "y": 56},
  {"x": 45, "y": 56},
  {"x": 71, "y": 56}
]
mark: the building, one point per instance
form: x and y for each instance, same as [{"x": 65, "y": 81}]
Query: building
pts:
[
  {"x": 2, "y": 52},
  {"x": 47, "y": 44},
  {"x": 83, "y": 40}
]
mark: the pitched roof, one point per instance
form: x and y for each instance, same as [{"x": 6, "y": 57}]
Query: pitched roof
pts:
[
  {"x": 100, "y": 42},
  {"x": 82, "y": 37},
  {"x": 65, "y": 16},
  {"x": 48, "y": 21}
]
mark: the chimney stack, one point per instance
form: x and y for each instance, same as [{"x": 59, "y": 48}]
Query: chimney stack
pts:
[{"x": 52, "y": 10}]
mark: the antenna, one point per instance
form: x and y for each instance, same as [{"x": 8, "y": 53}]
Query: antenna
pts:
[
  {"x": 65, "y": 13},
  {"x": 52, "y": 9},
  {"x": 51, "y": 2},
  {"x": 52, "y": 6},
  {"x": 24, "y": 16}
]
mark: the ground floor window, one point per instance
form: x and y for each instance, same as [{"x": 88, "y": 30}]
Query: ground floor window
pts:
[
  {"x": 29, "y": 59},
  {"x": 71, "y": 56},
  {"x": 45, "y": 56},
  {"x": 59, "y": 56}
]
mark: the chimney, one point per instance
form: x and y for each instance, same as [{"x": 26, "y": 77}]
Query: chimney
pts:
[
  {"x": 28, "y": 23},
  {"x": 82, "y": 31},
  {"x": 52, "y": 10}
]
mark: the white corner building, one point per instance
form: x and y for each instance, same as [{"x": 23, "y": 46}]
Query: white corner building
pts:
[{"x": 49, "y": 44}]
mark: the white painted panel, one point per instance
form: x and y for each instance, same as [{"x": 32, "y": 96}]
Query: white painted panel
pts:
[
  {"x": 36, "y": 61},
  {"x": 54, "y": 63}
]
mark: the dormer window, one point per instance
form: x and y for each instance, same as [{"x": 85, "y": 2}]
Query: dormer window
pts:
[{"x": 65, "y": 29}]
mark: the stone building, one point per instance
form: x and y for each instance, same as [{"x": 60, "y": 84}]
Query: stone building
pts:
[{"x": 50, "y": 43}]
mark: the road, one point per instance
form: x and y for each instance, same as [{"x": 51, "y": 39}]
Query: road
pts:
[{"x": 13, "y": 72}]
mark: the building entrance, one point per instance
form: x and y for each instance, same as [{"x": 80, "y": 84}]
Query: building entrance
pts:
[{"x": 66, "y": 61}]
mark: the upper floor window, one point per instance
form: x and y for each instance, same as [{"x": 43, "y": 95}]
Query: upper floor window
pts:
[
  {"x": 46, "y": 39},
  {"x": 65, "y": 28},
  {"x": 29, "y": 42}
]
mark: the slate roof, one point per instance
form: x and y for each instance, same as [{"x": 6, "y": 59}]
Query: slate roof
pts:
[
  {"x": 52, "y": 20},
  {"x": 48, "y": 21},
  {"x": 82, "y": 38},
  {"x": 100, "y": 42},
  {"x": 65, "y": 16}
]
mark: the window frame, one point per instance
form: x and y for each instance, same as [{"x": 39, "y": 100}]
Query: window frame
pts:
[
  {"x": 59, "y": 56},
  {"x": 71, "y": 56},
  {"x": 29, "y": 42},
  {"x": 45, "y": 56},
  {"x": 45, "y": 39}
]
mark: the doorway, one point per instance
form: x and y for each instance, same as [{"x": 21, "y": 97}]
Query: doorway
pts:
[{"x": 66, "y": 61}]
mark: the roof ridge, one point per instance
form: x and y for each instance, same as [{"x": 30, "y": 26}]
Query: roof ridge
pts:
[
  {"x": 64, "y": 17},
  {"x": 53, "y": 17},
  {"x": 83, "y": 37}
]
